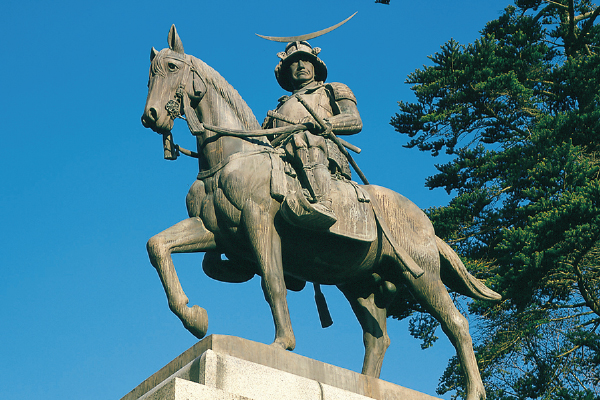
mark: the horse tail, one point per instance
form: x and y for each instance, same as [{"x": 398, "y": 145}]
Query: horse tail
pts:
[{"x": 455, "y": 275}]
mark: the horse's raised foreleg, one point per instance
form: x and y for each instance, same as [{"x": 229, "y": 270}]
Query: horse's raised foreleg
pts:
[
  {"x": 188, "y": 236},
  {"x": 372, "y": 319},
  {"x": 266, "y": 244},
  {"x": 432, "y": 294}
]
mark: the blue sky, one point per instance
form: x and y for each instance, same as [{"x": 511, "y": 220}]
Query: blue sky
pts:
[{"x": 84, "y": 185}]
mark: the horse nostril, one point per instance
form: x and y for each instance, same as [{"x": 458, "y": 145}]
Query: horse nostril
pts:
[
  {"x": 153, "y": 114},
  {"x": 149, "y": 118}
]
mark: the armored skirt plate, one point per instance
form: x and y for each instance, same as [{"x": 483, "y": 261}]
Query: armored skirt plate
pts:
[
  {"x": 355, "y": 217},
  {"x": 351, "y": 205}
]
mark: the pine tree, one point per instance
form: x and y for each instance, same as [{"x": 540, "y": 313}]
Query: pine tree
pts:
[{"x": 518, "y": 111}]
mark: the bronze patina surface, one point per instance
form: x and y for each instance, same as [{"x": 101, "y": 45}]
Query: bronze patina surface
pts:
[{"x": 235, "y": 208}]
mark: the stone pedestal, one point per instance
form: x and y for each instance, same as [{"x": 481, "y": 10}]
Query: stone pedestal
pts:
[{"x": 230, "y": 368}]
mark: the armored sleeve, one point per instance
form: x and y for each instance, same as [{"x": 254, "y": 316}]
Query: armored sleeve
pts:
[
  {"x": 267, "y": 123},
  {"x": 341, "y": 92},
  {"x": 346, "y": 119}
]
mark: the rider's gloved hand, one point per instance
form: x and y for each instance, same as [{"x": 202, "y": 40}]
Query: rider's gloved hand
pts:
[
  {"x": 311, "y": 125},
  {"x": 314, "y": 127}
]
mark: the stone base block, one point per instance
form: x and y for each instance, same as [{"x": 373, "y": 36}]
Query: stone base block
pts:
[
  {"x": 181, "y": 389},
  {"x": 230, "y": 368}
]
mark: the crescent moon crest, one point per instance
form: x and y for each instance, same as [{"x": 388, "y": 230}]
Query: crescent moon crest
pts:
[{"x": 308, "y": 36}]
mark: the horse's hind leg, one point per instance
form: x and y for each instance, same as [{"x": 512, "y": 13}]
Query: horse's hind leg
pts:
[
  {"x": 432, "y": 294},
  {"x": 187, "y": 236},
  {"x": 372, "y": 320}
]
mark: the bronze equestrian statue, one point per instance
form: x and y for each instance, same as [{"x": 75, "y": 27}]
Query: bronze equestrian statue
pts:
[{"x": 380, "y": 240}]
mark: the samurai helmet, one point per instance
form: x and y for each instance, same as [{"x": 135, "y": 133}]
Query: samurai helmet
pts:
[{"x": 294, "y": 51}]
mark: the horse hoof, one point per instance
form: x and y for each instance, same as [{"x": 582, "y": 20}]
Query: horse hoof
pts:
[
  {"x": 196, "y": 321},
  {"x": 284, "y": 344}
]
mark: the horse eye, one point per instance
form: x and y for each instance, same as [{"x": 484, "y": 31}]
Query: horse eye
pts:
[{"x": 172, "y": 67}]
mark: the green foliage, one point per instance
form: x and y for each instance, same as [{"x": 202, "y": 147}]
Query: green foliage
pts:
[
  {"x": 423, "y": 327},
  {"x": 518, "y": 111}
]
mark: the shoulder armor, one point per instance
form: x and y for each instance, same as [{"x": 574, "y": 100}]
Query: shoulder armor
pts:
[{"x": 340, "y": 91}]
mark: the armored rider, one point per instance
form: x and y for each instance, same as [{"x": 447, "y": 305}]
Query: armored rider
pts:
[{"x": 314, "y": 157}]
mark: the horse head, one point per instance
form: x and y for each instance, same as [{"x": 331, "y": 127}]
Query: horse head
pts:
[{"x": 174, "y": 83}]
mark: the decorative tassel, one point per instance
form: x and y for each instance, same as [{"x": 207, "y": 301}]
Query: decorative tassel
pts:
[
  {"x": 170, "y": 151},
  {"x": 322, "y": 308}
]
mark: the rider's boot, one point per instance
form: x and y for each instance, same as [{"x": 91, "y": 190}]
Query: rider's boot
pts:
[
  {"x": 321, "y": 185},
  {"x": 318, "y": 180},
  {"x": 311, "y": 209}
]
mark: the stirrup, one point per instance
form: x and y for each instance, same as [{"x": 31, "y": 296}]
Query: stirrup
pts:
[
  {"x": 299, "y": 212},
  {"x": 325, "y": 211}
]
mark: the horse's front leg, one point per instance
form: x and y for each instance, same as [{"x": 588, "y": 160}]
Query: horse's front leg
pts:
[
  {"x": 188, "y": 236},
  {"x": 266, "y": 244}
]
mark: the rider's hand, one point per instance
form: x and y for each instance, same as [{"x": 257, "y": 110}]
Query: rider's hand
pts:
[{"x": 311, "y": 125}]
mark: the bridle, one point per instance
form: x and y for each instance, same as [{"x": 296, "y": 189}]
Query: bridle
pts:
[{"x": 174, "y": 106}]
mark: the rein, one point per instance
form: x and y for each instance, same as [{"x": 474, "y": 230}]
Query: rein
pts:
[
  {"x": 284, "y": 130},
  {"x": 210, "y": 172},
  {"x": 255, "y": 133},
  {"x": 197, "y": 128}
]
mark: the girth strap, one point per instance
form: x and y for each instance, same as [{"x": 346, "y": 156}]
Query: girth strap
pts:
[{"x": 210, "y": 172}]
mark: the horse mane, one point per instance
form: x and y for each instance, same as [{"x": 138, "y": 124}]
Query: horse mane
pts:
[
  {"x": 228, "y": 93},
  {"x": 217, "y": 82}
]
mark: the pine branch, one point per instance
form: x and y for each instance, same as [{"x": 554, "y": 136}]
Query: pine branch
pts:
[
  {"x": 591, "y": 17},
  {"x": 587, "y": 295}
]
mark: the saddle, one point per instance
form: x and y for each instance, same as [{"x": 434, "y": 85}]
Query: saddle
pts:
[{"x": 350, "y": 203}]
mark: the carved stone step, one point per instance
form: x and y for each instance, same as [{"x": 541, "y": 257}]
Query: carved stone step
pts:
[{"x": 230, "y": 368}]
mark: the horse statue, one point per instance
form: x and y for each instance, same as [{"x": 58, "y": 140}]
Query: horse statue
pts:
[{"x": 234, "y": 210}]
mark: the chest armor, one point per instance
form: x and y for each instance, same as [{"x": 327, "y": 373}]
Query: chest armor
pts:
[{"x": 294, "y": 110}]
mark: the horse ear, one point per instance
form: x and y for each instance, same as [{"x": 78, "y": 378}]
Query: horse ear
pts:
[
  {"x": 174, "y": 40},
  {"x": 153, "y": 54}
]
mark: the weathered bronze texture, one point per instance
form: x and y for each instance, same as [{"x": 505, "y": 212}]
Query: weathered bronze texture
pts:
[{"x": 235, "y": 208}]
